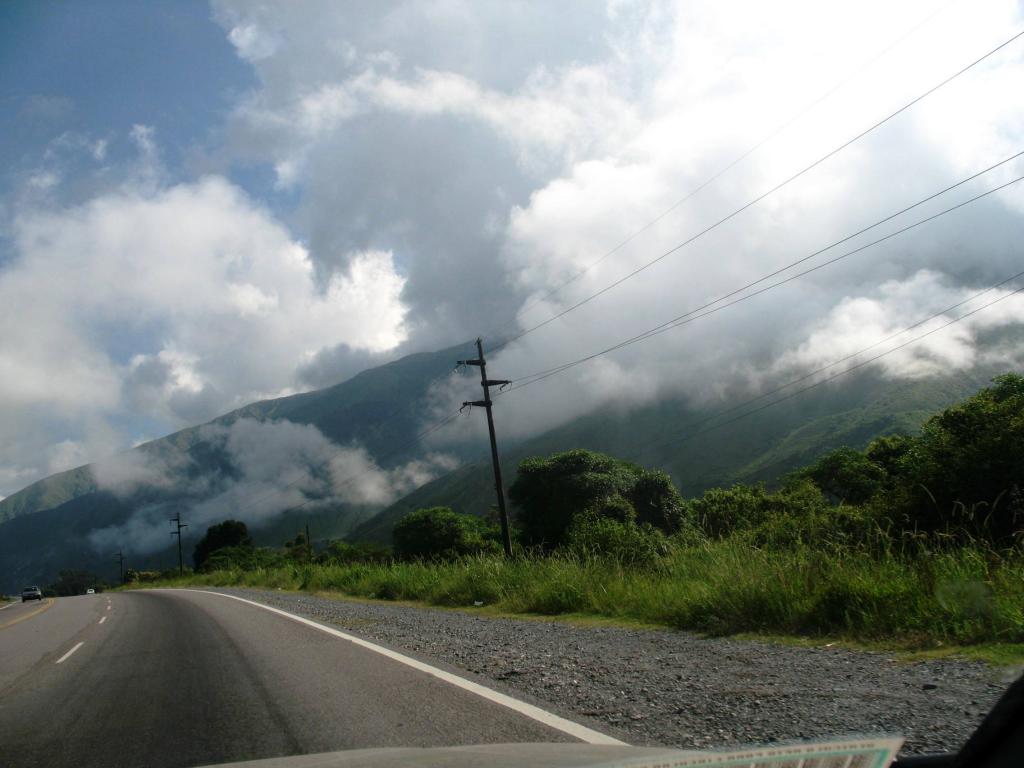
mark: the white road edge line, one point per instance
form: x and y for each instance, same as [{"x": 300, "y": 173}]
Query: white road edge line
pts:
[
  {"x": 584, "y": 734},
  {"x": 64, "y": 658},
  {"x": 103, "y": 619},
  {"x": 9, "y": 605}
]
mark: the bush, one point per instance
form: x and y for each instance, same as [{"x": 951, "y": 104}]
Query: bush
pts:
[
  {"x": 797, "y": 512},
  {"x": 657, "y": 501},
  {"x": 440, "y": 533},
  {"x": 847, "y": 476},
  {"x": 230, "y": 533},
  {"x": 593, "y": 536},
  {"x": 245, "y": 558},
  {"x": 340, "y": 551},
  {"x": 550, "y": 492},
  {"x": 965, "y": 470},
  {"x": 720, "y": 511}
]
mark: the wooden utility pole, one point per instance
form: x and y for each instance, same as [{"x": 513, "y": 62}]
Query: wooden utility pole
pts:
[
  {"x": 506, "y": 535},
  {"x": 120, "y": 564},
  {"x": 177, "y": 521}
]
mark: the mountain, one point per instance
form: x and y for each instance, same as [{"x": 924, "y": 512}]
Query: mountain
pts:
[
  {"x": 46, "y": 525},
  {"x": 51, "y": 524}
]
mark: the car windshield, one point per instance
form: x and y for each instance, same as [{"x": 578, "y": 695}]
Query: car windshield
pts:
[{"x": 596, "y": 376}]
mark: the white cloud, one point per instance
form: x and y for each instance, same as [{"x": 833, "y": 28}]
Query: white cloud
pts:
[
  {"x": 277, "y": 466},
  {"x": 856, "y": 323},
  {"x": 126, "y": 472},
  {"x": 252, "y": 43},
  {"x": 172, "y": 303},
  {"x": 493, "y": 151}
]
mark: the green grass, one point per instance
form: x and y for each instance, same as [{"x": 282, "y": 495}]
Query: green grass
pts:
[{"x": 940, "y": 603}]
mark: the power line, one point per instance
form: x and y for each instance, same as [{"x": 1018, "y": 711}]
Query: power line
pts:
[
  {"x": 736, "y": 161},
  {"x": 447, "y": 420},
  {"x": 849, "y": 370},
  {"x": 858, "y": 353},
  {"x": 711, "y": 308},
  {"x": 764, "y": 195}
]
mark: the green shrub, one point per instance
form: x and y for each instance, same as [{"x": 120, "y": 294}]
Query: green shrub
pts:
[
  {"x": 550, "y": 492},
  {"x": 657, "y": 501},
  {"x": 625, "y": 542},
  {"x": 245, "y": 558},
  {"x": 339, "y": 551},
  {"x": 846, "y": 476},
  {"x": 439, "y": 532},
  {"x": 230, "y": 533},
  {"x": 721, "y": 511}
]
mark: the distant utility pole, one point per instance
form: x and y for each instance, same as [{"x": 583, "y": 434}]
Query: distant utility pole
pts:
[
  {"x": 309, "y": 544},
  {"x": 177, "y": 521},
  {"x": 506, "y": 536},
  {"x": 120, "y": 564}
]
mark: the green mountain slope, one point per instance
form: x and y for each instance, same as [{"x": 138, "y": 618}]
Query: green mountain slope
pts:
[
  {"x": 45, "y": 526},
  {"x": 380, "y": 408},
  {"x": 759, "y": 448}
]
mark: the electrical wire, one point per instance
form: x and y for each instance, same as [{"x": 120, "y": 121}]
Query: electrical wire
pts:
[
  {"x": 763, "y": 195},
  {"x": 849, "y": 370},
  {"x": 711, "y": 308},
  {"x": 736, "y": 161}
]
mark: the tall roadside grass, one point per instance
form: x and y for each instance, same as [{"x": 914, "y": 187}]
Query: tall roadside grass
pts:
[{"x": 963, "y": 595}]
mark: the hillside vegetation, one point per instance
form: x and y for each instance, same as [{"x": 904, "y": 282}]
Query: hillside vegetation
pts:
[
  {"x": 914, "y": 540},
  {"x": 761, "y": 448},
  {"x": 49, "y": 524}
]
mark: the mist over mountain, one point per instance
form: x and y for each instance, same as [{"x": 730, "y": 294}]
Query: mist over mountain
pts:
[
  {"x": 336, "y": 454},
  {"x": 345, "y": 460}
]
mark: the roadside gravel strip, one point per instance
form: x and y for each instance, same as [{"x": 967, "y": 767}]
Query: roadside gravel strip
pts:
[{"x": 661, "y": 687}]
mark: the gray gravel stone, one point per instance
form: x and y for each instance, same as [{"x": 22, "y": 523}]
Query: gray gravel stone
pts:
[{"x": 669, "y": 688}]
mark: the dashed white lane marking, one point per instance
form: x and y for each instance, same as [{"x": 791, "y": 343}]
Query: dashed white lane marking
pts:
[
  {"x": 103, "y": 619},
  {"x": 576, "y": 730},
  {"x": 108, "y": 606},
  {"x": 65, "y": 657}
]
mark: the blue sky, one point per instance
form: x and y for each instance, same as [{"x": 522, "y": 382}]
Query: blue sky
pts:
[
  {"x": 98, "y": 68},
  {"x": 205, "y": 204}
]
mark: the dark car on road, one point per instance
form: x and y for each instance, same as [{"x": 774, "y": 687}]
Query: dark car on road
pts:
[{"x": 31, "y": 593}]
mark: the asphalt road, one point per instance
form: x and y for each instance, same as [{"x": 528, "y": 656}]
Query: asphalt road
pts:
[{"x": 176, "y": 678}]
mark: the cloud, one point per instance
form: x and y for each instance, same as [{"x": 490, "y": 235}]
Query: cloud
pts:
[
  {"x": 442, "y": 166},
  {"x": 162, "y": 467},
  {"x": 858, "y": 322},
  {"x": 271, "y": 467},
  {"x": 171, "y": 304}
]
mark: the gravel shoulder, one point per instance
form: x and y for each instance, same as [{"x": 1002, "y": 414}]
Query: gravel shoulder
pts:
[{"x": 669, "y": 688}]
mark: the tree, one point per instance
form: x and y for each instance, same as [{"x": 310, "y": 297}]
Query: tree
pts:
[
  {"x": 73, "y": 582},
  {"x": 847, "y": 475},
  {"x": 723, "y": 511},
  {"x": 230, "y": 533},
  {"x": 549, "y": 493},
  {"x": 440, "y": 533},
  {"x": 966, "y": 469},
  {"x": 657, "y": 501}
]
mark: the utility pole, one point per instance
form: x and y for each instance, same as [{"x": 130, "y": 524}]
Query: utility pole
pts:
[
  {"x": 177, "y": 521},
  {"x": 506, "y": 536},
  {"x": 120, "y": 564},
  {"x": 309, "y": 544}
]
